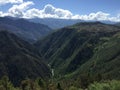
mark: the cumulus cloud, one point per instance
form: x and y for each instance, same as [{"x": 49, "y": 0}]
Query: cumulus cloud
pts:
[
  {"x": 49, "y": 11},
  {"x": 23, "y": 10},
  {"x": 98, "y": 16},
  {"x": 2, "y": 2},
  {"x": 18, "y": 10},
  {"x": 1, "y": 14},
  {"x": 95, "y": 16}
]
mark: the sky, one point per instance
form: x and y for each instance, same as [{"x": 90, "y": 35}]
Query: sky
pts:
[{"x": 62, "y": 9}]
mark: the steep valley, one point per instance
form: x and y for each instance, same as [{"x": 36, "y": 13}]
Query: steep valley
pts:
[
  {"x": 83, "y": 53},
  {"x": 71, "y": 57}
]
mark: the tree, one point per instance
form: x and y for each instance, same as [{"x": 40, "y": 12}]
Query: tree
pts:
[
  {"x": 59, "y": 86},
  {"x": 98, "y": 77},
  {"x": 24, "y": 85},
  {"x": 6, "y": 84}
]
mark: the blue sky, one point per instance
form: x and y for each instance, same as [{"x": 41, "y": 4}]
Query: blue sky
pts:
[
  {"x": 75, "y": 9},
  {"x": 83, "y": 6}
]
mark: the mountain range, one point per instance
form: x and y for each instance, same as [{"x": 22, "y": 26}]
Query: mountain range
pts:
[
  {"x": 60, "y": 23},
  {"x": 55, "y": 23},
  {"x": 32, "y": 50},
  {"x": 28, "y": 31}
]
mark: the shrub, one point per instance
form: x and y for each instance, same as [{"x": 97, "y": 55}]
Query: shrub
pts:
[{"x": 109, "y": 85}]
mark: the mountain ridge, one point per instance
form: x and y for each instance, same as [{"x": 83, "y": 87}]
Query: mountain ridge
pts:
[
  {"x": 20, "y": 60},
  {"x": 69, "y": 48},
  {"x": 27, "y": 30}
]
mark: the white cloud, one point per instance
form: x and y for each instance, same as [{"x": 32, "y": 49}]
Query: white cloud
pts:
[
  {"x": 18, "y": 10},
  {"x": 95, "y": 16},
  {"x": 32, "y": 13},
  {"x": 48, "y": 12},
  {"x": 98, "y": 16},
  {"x": 49, "y": 9},
  {"x": 2, "y": 2},
  {"x": 1, "y": 14},
  {"x": 23, "y": 10}
]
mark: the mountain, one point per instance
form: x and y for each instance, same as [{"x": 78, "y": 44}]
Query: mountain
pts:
[
  {"x": 60, "y": 23},
  {"x": 75, "y": 49},
  {"x": 20, "y": 60},
  {"x": 55, "y": 23},
  {"x": 28, "y": 31},
  {"x": 106, "y": 59},
  {"x": 117, "y": 24}
]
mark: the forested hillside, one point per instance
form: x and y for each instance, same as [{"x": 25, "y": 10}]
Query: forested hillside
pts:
[
  {"x": 83, "y": 53},
  {"x": 20, "y": 60}
]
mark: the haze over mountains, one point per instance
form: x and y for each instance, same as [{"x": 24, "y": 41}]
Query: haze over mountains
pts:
[
  {"x": 29, "y": 31},
  {"x": 55, "y": 23}
]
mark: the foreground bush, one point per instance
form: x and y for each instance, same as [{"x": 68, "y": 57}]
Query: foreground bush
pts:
[
  {"x": 40, "y": 84},
  {"x": 108, "y": 85}
]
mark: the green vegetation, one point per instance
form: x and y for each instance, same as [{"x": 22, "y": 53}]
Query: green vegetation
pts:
[
  {"x": 85, "y": 56},
  {"x": 39, "y": 84},
  {"x": 106, "y": 85},
  {"x": 20, "y": 60},
  {"x": 83, "y": 48}
]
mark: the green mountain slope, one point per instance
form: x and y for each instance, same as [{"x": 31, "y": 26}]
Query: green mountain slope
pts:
[
  {"x": 68, "y": 49},
  {"x": 19, "y": 59},
  {"x": 105, "y": 61}
]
